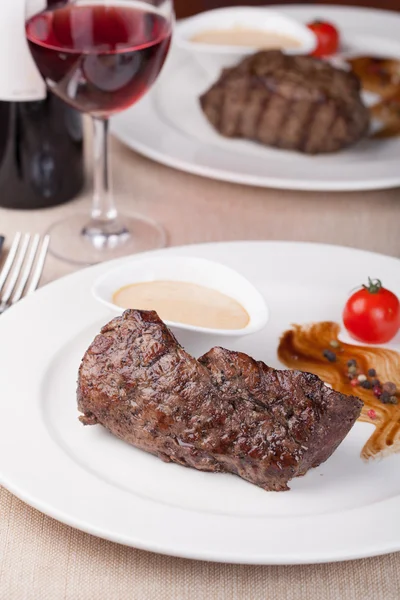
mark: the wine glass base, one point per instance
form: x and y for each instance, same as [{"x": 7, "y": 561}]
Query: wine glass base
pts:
[{"x": 78, "y": 242}]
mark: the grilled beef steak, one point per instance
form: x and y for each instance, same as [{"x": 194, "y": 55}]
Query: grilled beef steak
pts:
[
  {"x": 291, "y": 102},
  {"x": 224, "y": 412}
]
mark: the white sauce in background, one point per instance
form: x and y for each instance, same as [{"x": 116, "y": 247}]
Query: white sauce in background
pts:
[{"x": 243, "y": 36}]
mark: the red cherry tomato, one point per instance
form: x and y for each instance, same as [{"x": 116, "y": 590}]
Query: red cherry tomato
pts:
[
  {"x": 327, "y": 36},
  {"x": 372, "y": 314}
]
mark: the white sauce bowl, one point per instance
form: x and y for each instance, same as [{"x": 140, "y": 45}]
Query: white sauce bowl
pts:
[
  {"x": 191, "y": 270},
  {"x": 213, "y": 58}
]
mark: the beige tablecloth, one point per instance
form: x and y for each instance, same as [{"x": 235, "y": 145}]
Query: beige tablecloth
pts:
[{"x": 41, "y": 559}]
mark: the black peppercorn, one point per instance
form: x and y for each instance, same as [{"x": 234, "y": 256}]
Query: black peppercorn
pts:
[
  {"x": 329, "y": 355},
  {"x": 367, "y": 385},
  {"x": 385, "y": 398}
]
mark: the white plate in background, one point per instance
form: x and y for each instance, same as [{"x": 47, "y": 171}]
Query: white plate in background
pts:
[
  {"x": 168, "y": 126},
  {"x": 86, "y": 478}
]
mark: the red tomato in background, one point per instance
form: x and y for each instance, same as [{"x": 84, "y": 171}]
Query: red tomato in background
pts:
[
  {"x": 372, "y": 314},
  {"x": 328, "y": 38}
]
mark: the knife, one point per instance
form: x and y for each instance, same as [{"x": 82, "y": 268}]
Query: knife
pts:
[{"x": 1, "y": 243}]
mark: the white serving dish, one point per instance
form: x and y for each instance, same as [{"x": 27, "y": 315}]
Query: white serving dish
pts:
[
  {"x": 194, "y": 270},
  {"x": 213, "y": 58}
]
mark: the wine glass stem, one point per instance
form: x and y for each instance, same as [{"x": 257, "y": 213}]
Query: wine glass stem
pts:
[
  {"x": 104, "y": 230},
  {"x": 103, "y": 207}
]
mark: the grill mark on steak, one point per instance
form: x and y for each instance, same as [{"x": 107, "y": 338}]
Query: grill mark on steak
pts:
[
  {"x": 274, "y": 119},
  {"x": 285, "y": 117},
  {"x": 263, "y": 108},
  {"x": 297, "y": 80},
  {"x": 240, "y": 117},
  {"x": 222, "y": 413},
  {"x": 306, "y": 128},
  {"x": 222, "y": 106},
  {"x": 333, "y": 123},
  {"x": 294, "y": 124},
  {"x": 321, "y": 120}
]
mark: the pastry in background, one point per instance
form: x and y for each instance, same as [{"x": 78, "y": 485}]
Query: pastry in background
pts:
[{"x": 378, "y": 75}]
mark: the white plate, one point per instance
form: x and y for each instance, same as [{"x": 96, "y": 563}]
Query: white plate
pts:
[
  {"x": 88, "y": 479},
  {"x": 169, "y": 127}
]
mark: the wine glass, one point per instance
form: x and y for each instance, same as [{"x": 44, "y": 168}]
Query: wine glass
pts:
[{"x": 100, "y": 57}]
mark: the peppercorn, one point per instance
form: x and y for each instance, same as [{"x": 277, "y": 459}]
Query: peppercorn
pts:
[
  {"x": 385, "y": 398},
  {"x": 393, "y": 400},
  {"x": 362, "y": 378},
  {"x": 375, "y": 382},
  {"x": 372, "y": 414},
  {"x": 390, "y": 388},
  {"x": 377, "y": 391},
  {"x": 353, "y": 370},
  {"x": 334, "y": 344},
  {"x": 354, "y": 382},
  {"x": 388, "y": 400},
  {"x": 352, "y": 363},
  {"x": 371, "y": 373},
  {"x": 367, "y": 385},
  {"x": 329, "y": 355}
]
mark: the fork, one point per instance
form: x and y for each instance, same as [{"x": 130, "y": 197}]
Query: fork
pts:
[{"x": 25, "y": 260}]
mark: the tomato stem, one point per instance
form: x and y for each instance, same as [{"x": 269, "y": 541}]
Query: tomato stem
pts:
[{"x": 374, "y": 286}]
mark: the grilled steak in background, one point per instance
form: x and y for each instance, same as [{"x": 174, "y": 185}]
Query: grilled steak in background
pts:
[
  {"x": 291, "y": 102},
  {"x": 224, "y": 412}
]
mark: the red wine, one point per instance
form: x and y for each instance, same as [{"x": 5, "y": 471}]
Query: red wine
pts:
[
  {"x": 100, "y": 59},
  {"x": 41, "y": 153}
]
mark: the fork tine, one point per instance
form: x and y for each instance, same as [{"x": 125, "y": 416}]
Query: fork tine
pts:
[
  {"x": 39, "y": 266},
  {"x": 10, "y": 259},
  {"x": 16, "y": 270},
  {"x": 27, "y": 270}
]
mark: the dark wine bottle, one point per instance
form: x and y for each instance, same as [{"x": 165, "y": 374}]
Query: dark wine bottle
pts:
[
  {"x": 41, "y": 138},
  {"x": 41, "y": 153}
]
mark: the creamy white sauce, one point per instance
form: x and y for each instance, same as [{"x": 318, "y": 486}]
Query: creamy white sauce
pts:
[
  {"x": 183, "y": 302},
  {"x": 242, "y": 36}
]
